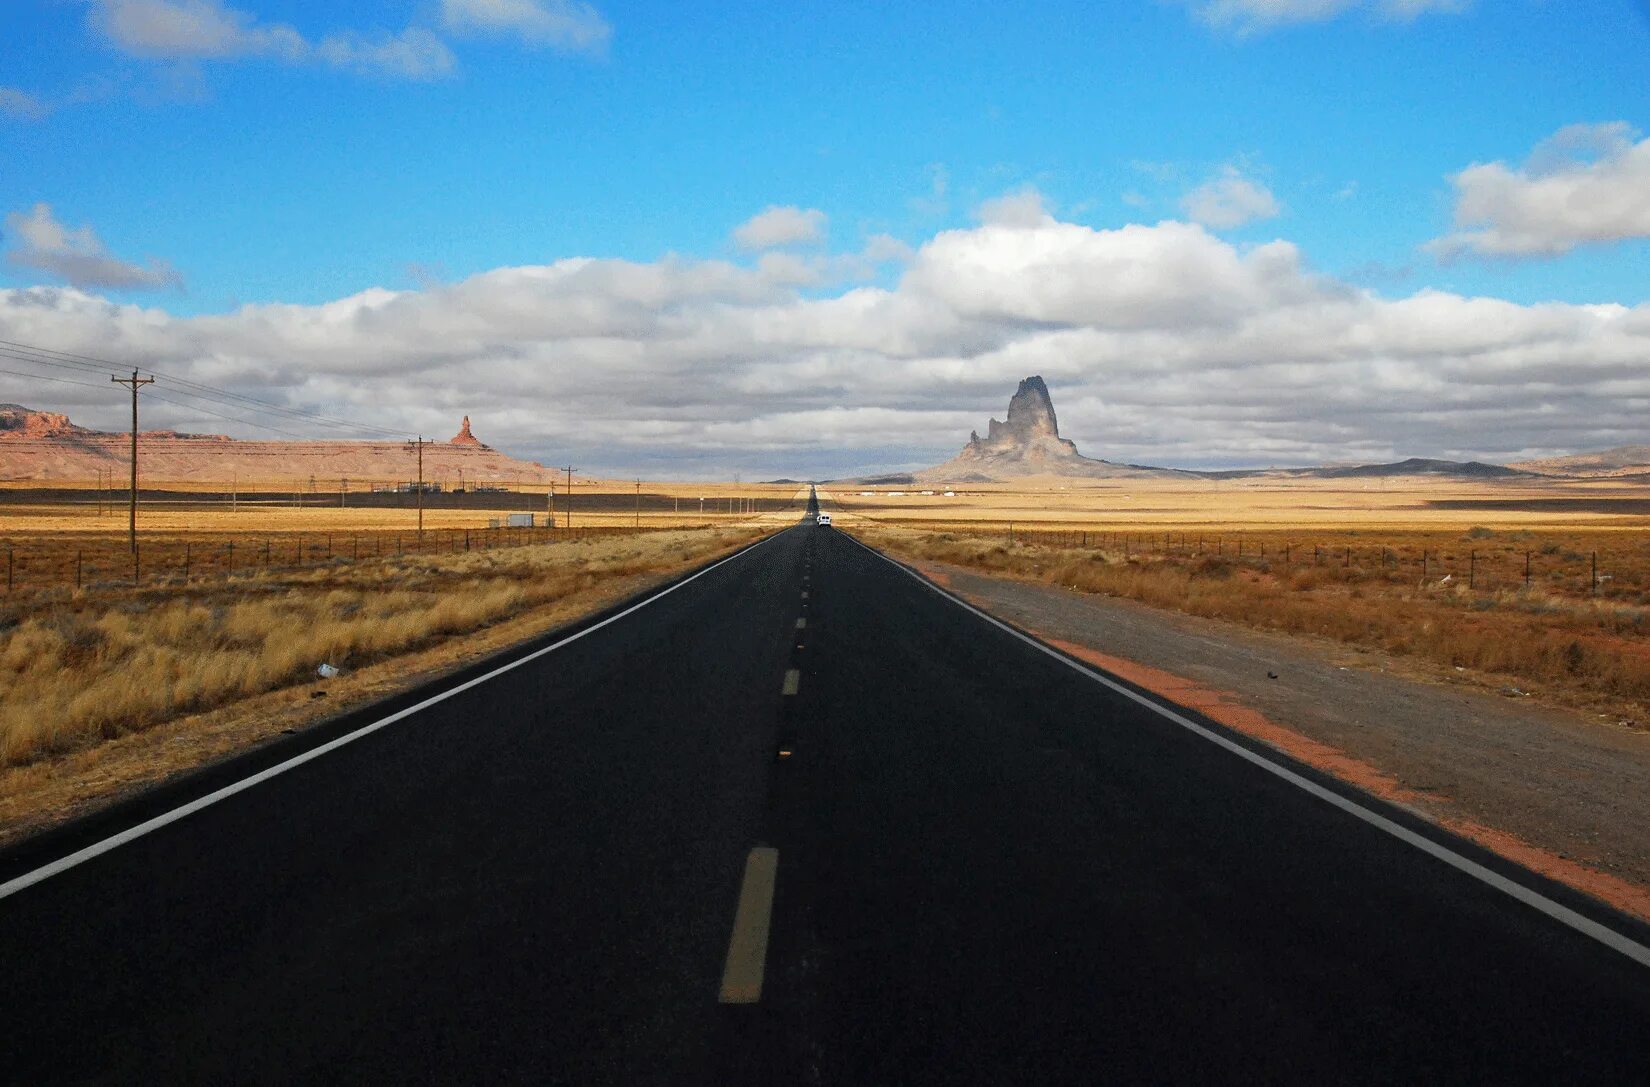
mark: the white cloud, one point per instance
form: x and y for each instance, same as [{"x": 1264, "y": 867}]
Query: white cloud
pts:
[
  {"x": 1251, "y": 16},
  {"x": 22, "y": 106},
  {"x": 211, "y": 30},
  {"x": 1585, "y": 184},
  {"x": 1024, "y": 208},
  {"x": 563, "y": 24},
  {"x": 77, "y": 255},
  {"x": 1229, "y": 200},
  {"x": 777, "y": 226},
  {"x": 1160, "y": 343},
  {"x": 415, "y": 53}
]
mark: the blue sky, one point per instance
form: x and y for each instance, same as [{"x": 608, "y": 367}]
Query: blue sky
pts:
[{"x": 269, "y": 175}]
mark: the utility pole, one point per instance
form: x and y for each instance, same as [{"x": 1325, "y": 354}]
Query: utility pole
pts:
[
  {"x": 419, "y": 444},
  {"x": 134, "y": 383},
  {"x": 569, "y": 469},
  {"x": 638, "y": 505}
]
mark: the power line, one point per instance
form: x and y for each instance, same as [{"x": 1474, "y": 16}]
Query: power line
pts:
[
  {"x": 221, "y": 415},
  {"x": 43, "y": 377},
  {"x": 158, "y": 396},
  {"x": 47, "y": 356}
]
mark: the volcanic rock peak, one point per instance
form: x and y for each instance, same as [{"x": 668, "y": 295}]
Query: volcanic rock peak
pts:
[{"x": 1031, "y": 423}]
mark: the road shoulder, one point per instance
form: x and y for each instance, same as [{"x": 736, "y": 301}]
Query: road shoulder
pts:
[{"x": 1547, "y": 788}]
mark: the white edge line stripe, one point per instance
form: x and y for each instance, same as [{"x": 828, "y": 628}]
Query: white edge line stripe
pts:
[
  {"x": 1557, "y": 911},
  {"x": 115, "y": 841}
]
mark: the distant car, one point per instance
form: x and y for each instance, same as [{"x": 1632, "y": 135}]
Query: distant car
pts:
[{"x": 823, "y": 519}]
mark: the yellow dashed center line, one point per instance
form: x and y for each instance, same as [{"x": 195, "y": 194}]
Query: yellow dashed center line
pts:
[{"x": 748, "y": 947}]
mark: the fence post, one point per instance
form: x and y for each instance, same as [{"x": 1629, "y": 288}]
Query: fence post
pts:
[
  {"x": 1472, "y": 569},
  {"x": 1595, "y": 573},
  {"x": 1286, "y": 549},
  {"x": 466, "y": 539},
  {"x": 1526, "y": 569},
  {"x": 8, "y": 567},
  {"x": 77, "y": 558},
  {"x": 137, "y": 569},
  {"x": 185, "y": 564},
  {"x": 1349, "y": 556}
]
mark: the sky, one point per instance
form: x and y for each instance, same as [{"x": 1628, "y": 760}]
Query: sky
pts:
[{"x": 812, "y": 239}]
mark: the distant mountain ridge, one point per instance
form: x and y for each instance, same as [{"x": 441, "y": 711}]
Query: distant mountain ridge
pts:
[
  {"x": 46, "y": 446},
  {"x": 1619, "y": 461}
]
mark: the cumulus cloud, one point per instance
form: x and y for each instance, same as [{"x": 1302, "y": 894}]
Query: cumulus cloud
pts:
[
  {"x": 562, "y": 24},
  {"x": 1585, "y": 184},
  {"x": 1228, "y": 200},
  {"x": 1024, "y": 208},
  {"x": 775, "y": 227},
  {"x": 1162, "y": 344},
  {"x": 211, "y": 30},
  {"x": 77, "y": 255},
  {"x": 1249, "y": 16}
]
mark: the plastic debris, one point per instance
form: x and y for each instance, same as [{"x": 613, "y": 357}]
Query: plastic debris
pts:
[{"x": 327, "y": 671}]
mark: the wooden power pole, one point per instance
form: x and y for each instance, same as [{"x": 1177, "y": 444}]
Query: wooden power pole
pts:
[
  {"x": 568, "y": 494},
  {"x": 134, "y": 383},
  {"x": 419, "y": 444}
]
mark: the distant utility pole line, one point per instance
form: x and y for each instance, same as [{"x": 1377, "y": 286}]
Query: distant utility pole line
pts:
[
  {"x": 638, "y": 505},
  {"x": 418, "y": 444},
  {"x": 134, "y": 383}
]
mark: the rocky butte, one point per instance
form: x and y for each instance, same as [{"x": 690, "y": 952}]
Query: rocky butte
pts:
[
  {"x": 1028, "y": 443},
  {"x": 46, "y": 447}
]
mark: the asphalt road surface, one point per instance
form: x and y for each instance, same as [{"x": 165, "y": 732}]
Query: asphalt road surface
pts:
[{"x": 803, "y": 819}]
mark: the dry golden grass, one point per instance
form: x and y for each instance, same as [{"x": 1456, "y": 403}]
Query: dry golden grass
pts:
[
  {"x": 89, "y": 667},
  {"x": 268, "y": 507},
  {"x": 1198, "y": 505},
  {"x": 1584, "y": 647}
]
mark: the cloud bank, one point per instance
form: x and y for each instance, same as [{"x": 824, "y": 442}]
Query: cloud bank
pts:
[
  {"x": 1585, "y": 184},
  {"x": 1162, "y": 344}
]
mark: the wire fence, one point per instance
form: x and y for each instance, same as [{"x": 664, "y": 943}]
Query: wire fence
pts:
[
  {"x": 1616, "y": 565},
  {"x": 109, "y": 563}
]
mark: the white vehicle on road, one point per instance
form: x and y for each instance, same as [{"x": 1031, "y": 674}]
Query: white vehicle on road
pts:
[{"x": 823, "y": 519}]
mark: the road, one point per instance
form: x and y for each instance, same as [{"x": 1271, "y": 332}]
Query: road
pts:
[{"x": 991, "y": 867}]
